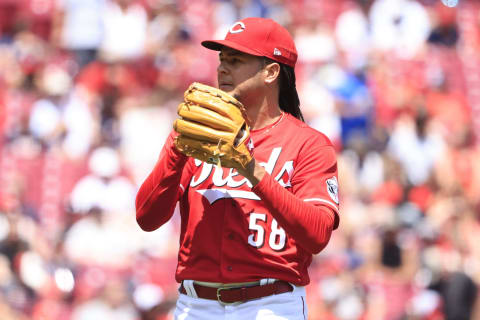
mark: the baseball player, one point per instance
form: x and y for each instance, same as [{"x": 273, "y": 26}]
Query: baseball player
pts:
[{"x": 252, "y": 214}]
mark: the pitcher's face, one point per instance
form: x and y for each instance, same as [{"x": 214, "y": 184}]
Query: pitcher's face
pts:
[{"x": 239, "y": 74}]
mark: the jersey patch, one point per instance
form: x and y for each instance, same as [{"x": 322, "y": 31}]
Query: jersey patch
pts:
[{"x": 332, "y": 188}]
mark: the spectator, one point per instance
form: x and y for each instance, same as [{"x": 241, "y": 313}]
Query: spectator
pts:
[
  {"x": 401, "y": 26},
  {"x": 79, "y": 28},
  {"x": 416, "y": 145},
  {"x": 104, "y": 188},
  {"x": 125, "y": 25},
  {"x": 112, "y": 303},
  {"x": 459, "y": 293}
]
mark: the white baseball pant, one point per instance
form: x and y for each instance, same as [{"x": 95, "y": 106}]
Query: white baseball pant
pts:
[{"x": 285, "y": 306}]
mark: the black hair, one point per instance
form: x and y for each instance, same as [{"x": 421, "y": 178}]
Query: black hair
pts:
[{"x": 287, "y": 94}]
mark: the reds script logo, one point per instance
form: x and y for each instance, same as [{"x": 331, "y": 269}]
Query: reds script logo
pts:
[
  {"x": 237, "y": 27},
  {"x": 219, "y": 180}
]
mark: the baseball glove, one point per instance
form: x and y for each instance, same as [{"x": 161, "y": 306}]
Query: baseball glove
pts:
[{"x": 212, "y": 127}]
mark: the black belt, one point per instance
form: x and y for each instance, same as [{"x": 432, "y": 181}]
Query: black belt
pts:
[{"x": 240, "y": 294}]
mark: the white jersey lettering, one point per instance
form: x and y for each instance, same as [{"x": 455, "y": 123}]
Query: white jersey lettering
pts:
[
  {"x": 206, "y": 170},
  {"x": 234, "y": 183},
  {"x": 272, "y": 161},
  {"x": 219, "y": 180},
  {"x": 288, "y": 168},
  {"x": 213, "y": 195}
]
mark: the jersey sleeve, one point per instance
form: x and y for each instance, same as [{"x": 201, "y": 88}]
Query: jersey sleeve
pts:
[
  {"x": 310, "y": 225},
  {"x": 159, "y": 193},
  {"x": 315, "y": 179}
]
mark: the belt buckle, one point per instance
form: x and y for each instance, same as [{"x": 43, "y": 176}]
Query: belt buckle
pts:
[{"x": 219, "y": 296}]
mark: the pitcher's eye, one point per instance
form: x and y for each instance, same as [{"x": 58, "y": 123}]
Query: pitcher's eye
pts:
[{"x": 235, "y": 60}]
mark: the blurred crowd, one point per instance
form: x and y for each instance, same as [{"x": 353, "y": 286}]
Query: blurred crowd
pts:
[{"x": 89, "y": 91}]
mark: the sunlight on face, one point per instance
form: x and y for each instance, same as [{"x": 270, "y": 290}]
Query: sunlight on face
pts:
[{"x": 238, "y": 73}]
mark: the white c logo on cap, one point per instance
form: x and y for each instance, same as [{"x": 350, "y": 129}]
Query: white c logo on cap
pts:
[{"x": 238, "y": 30}]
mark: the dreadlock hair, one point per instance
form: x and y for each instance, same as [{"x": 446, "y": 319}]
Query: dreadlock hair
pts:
[{"x": 287, "y": 93}]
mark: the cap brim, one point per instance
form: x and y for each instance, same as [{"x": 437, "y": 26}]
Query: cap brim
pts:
[{"x": 217, "y": 45}]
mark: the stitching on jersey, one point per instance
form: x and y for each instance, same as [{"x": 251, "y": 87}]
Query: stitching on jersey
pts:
[{"x": 322, "y": 200}]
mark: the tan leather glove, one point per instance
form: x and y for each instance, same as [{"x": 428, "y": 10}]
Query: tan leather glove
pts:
[{"x": 212, "y": 127}]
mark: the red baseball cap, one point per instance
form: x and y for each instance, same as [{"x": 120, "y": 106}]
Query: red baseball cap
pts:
[{"x": 259, "y": 37}]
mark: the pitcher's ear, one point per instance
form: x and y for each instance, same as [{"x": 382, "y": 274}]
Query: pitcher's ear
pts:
[{"x": 272, "y": 72}]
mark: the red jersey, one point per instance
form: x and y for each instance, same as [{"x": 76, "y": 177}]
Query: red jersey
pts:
[{"x": 231, "y": 232}]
